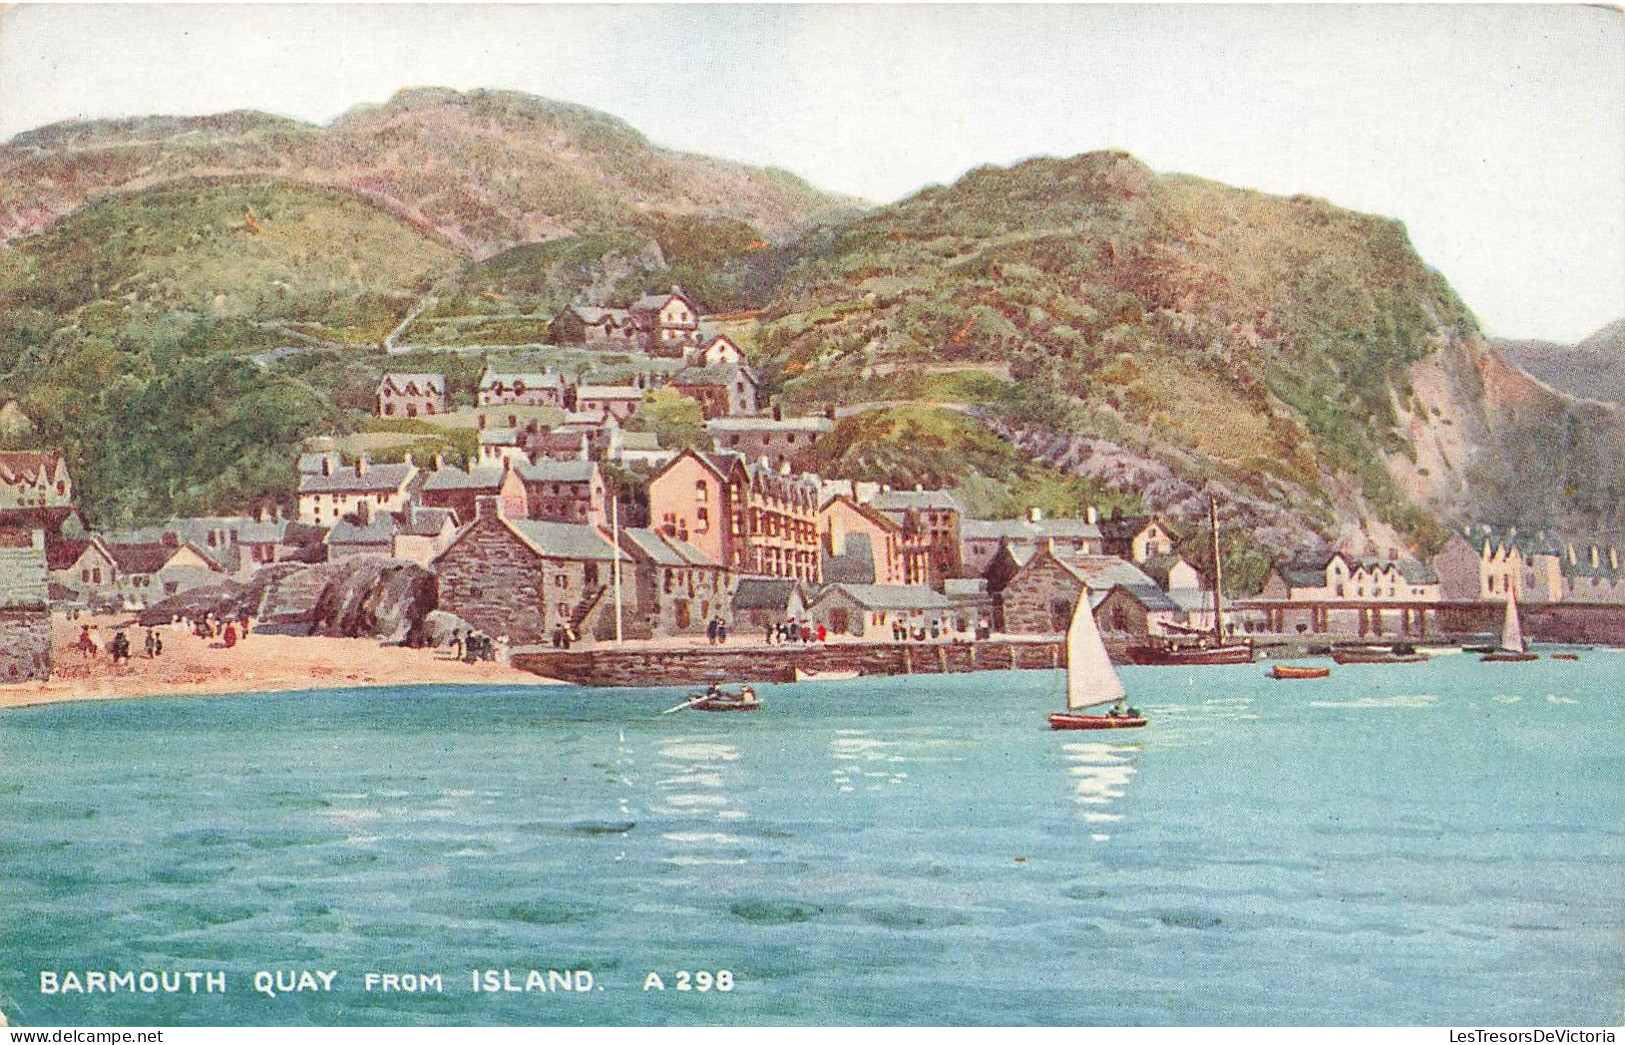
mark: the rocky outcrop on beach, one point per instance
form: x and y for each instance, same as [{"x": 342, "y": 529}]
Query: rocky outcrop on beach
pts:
[{"x": 365, "y": 597}]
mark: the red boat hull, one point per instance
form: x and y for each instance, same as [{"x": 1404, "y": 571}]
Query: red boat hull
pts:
[
  {"x": 1366, "y": 657},
  {"x": 1064, "y": 720},
  {"x": 1235, "y": 654},
  {"x": 1287, "y": 671}
]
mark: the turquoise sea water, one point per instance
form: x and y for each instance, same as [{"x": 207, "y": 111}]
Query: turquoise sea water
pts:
[{"x": 1438, "y": 844}]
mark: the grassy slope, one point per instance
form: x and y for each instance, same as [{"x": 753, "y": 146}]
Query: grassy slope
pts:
[{"x": 1263, "y": 338}]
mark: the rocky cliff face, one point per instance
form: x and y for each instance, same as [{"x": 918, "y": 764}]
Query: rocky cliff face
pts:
[{"x": 365, "y": 597}]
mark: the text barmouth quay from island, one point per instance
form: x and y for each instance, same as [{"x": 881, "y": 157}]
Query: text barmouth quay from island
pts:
[{"x": 274, "y": 983}]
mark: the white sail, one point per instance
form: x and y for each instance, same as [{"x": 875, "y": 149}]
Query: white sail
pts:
[
  {"x": 1090, "y": 678},
  {"x": 1512, "y": 628}
]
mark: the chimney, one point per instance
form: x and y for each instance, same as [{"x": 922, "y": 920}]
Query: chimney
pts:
[
  {"x": 1092, "y": 515},
  {"x": 361, "y": 464},
  {"x": 919, "y": 488},
  {"x": 507, "y": 463},
  {"x": 487, "y": 505},
  {"x": 778, "y": 412},
  {"x": 363, "y": 513},
  {"x": 482, "y": 422},
  {"x": 585, "y": 453},
  {"x": 327, "y": 465},
  {"x": 1593, "y": 556},
  {"x": 170, "y": 539},
  {"x": 409, "y": 460},
  {"x": 36, "y": 540},
  {"x": 439, "y": 461},
  {"x": 1035, "y": 515},
  {"x": 1613, "y": 558}
]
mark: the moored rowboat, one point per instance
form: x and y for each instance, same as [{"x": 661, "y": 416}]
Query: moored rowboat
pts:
[
  {"x": 1288, "y": 671},
  {"x": 1064, "y": 720}
]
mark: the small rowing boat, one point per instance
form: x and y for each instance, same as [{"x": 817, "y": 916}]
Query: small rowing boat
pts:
[
  {"x": 1396, "y": 655},
  {"x": 1288, "y": 671},
  {"x": 802, "y": 675}
]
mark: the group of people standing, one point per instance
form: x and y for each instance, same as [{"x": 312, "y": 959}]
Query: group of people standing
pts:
[
  {"x": 476, "y": 645},
  {"x": 787, "y": 631},
  {"x": 716, "y": 631}
]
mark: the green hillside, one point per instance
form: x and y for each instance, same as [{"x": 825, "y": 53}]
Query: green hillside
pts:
[
  {"x": 125, "y": 328},
  {"x": 1260, "y": 339}
]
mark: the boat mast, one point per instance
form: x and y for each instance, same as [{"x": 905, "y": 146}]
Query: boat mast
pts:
[
  {"x": 615, "y": 541},
  {"x": 1218, "y": 574}
]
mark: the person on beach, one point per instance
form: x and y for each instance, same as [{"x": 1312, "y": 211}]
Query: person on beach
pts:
[
  {"x": 722, "y": 632},
  {"x": 771, "y": 630},
  {"x": 230, "y": 635},
  {"x": 151, "y": 643},
  {"x": 823, "y": 632},
  {"x": 120, "y": 648},
  {"x": 711, "y": 631},
  {"x": 242, "y": 626},
  {"x": 86, "y": 645}
]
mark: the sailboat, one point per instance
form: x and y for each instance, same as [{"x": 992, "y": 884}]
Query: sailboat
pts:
[
  {"x": 1091, "y": 681},
  {"x": 1512, "y": 648},
  {"x": 1210, "y": 648}
]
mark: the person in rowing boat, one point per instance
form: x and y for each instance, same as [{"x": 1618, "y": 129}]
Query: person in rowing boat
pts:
[
  {"x": 1119, "y": 709},
  {"x": 715, "y": 692},
  {"x": 746, "y": 694}
]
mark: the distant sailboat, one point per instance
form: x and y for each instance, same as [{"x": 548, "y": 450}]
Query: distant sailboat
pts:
[
  {"x": 1091, "y": 680},
  {"x": 1512, "y": 648}
]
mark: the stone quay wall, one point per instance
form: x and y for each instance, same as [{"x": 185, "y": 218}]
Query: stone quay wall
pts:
[
  {"x": 703, "y": 665},
  {"x": 1572, "y": 622},
  {"x": 25, "y": 645}
]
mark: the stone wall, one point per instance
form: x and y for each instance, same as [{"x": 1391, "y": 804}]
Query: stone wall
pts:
[
  {"x": 702, "y": 665},
  {"x": 1039, "y": 600},
  {"x": 25, "y": 645},
  {"x": 496, "y": 582}
]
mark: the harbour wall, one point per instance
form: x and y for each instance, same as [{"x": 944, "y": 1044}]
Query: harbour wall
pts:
[
  {"x": 703, "y": 665},
  {"x": 1552, "y": 622}
]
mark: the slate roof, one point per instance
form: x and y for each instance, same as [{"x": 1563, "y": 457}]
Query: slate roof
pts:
[
  {"x": 379, "y": 530},
  {"x": 639, "y": 441},
  {"x": 426, "y": 383},
  {"x": 499, "y": 437},
  {"x": 146, "y": 557},
  {"x": 917, "y": 500},
  {"x": 1151, "y": 597},
  {"x": 1027, "y": 531},
  {"x": 881, "y": 597},
  {"x": 608, "y": 392},
  {"x": 565, "y": 540},
  {"x": 546, "y": 379},
  {"x": 964, "y": 586},
  {"x": 378, "y": 478},
  {"x": 764, "y": 593},
  {"x": 649, "y": 543},
  {"x": 311, "y": 464},
  {"x": 1102, "y": 572},
  {"x": 426, "y": 522},
  {"x": 485, "y": 477},
  {"x": 556, "y": 472}
]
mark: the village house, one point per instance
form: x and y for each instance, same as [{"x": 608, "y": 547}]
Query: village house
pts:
[
  {"x": 456, "y": 488},
  {"x": 150, "y": 572},
  {"x": 1136, "y": 538},
  {"x": 1593, "y": 576},
  {"x": 86, "y": 567},
  {"x": 500, "y": 388},
  {"x": 602, "y": 329},
  {"x": 25, "y": 616},
  {"x": 722, "y": 390},
  {"x": 1135, "y": 609},
  {"x": 862, "y": 546},
  {"x": 747, "y": 517},
  {"x": 677, "y": 589},
  {"x": 936, "y": 512},
  {"x": 972, "y": 602},
  {"x": 667, "y": 324},
  {"x": 34, "y": 479},
  {"x": 980, "y": 539},
  {"x": 336, "y": 491},
  {"x": 1039, "y": 595},
  {"x": 778, "y": 439},
  {"x": 602, "y": 401},
  {"x": 638, "y": 450},
  {"x": 565, "y": 491},
  {"x": 363, "y": 532},
  {"x": 501, "y": 447},
  {"x": 258, "y": 539},
  {"x": 411, "y": 395},
  {"x": 523, "y": 578},
  {"x": 421, "y": 534},
  {"x": 872, "y": 610},
  {"x": 1346, "y": 593},
  {"x": 718, "y": 351},
  {"x": 760, "y": 602},
  {"x": 1483, "y": 563}
]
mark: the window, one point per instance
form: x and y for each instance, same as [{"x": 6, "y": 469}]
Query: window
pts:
[
  {"x": 702, "y": 493},
  {"x": 702, "y": 519}
]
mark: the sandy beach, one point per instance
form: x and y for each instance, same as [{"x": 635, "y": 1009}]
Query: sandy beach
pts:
[{"x": 191, "y": 666}]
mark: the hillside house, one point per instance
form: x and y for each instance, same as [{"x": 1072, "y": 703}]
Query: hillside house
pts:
[
  {"x": 667, "y": 324},
  {"x": 722, "y": 390},
  {"x": 336, "y": 491},
  {"x": 777, "y": 439},
  {"x": 86, "y": 567},
  {"x": 501, "y": 447},
  {"x": 749, "y": 518},
  {"x": 1136, "y": 538},
  {"x": 363, "y": 532},
  {"x": 565, "y": 491},
  {"x": 638, "y": 450},
  {"x": 1350, "y": 594},
  {"x": 980, "y": 539},
  {"x": 153, "y": 571},
  {"x": 456, "y": 489},
  {"x": 602, "y": 329},
  {"x": 25, "y": 615},
  {"x": 522, "y": 578},
  {"x": 862, "y": 546},
  {"x": 501, "y": 388},
  {"x": 34, "y": 479},
  {"x": 411, "y": 395},
  {"x": 602, "y": 401},
  {"x": 872, "y": 610},
  {"x": 718, "y": 351},
  {"x": 939, "y": 515}
]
